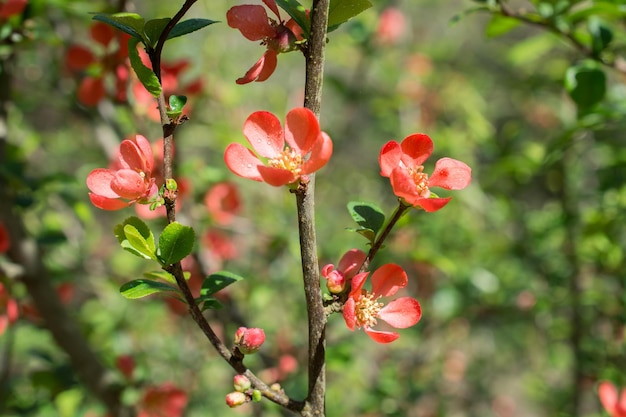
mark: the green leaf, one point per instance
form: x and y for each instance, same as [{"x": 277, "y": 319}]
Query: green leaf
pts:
[
  {"x": 367, "y": 215},
  {"x": 297, "y": 13},
  {"x": 153, "y": 29},
  {"x": 175, "y": 243},
  {"x": 188, "y": 26},
  {"x": 218, "y": 281},
  {"x": 165, "y": 276},
  {"x": 140, "y": 288},
  {"x": 141, "y": 236},
  {"x": 138, "y": 242},
  {"x": 601, "y": 35},
  {"x": 340, "y": 11},
  {"x": 586, "y": 84},
  {"x": 177, "y": 103},
  {"x": 130, "y": 23},
  {"x": 210, "y": 303},
  {"x": 145, "y": 74},
  {"x": 499, "y": 25}
]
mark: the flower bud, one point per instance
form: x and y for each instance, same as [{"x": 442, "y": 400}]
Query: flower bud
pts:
[
  {"x": 256, "y": 396},
  {"x": 249, "y": 340},
  {"x": 170, "y": 184},
  {"x": 235, "y": 399},
  {"x": 241, "y": 383}
]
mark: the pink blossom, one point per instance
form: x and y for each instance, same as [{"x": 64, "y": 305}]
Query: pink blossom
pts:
[
  {"x": 391, "y": 26},
  {"x": 402, "y": 164},
  {"x": 613, "y": 404},
  {"x": 363, "y": 309},
  {"x": 249, "y": 340},
  {"x": 278, "y": 36},
  {"x": 236, "y": 398},
  {"x": 114, "y": 189},
  {"x": 223, "y": 202},
  {"x": 349, "y": 264},
  {"x": 285, "y": 164},
  {"x": 164, "y": 400}
]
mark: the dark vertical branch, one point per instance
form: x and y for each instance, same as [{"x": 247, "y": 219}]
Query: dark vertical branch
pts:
[{"x": 315, "y": 56}]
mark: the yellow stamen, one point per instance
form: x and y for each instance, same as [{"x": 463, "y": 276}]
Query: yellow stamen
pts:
[
  {"x": 421, "y": 180},
  {"x": 367, "y": 309},
  {"x": 288, "y": 160}
]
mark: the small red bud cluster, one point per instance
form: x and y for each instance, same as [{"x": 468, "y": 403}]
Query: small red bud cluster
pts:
[{"x": 243, "y": 392}]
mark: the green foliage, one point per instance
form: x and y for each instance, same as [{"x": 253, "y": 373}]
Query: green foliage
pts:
[
  {"x": 175, "y": 242},
  {"x": 140, "y": 288},
  {"x": 152, "y": 31},
  {"x": 145, "y": 74},
  {"x": 136, "y": 237},
  {"x": 340, "y": 11},
  {"x": 369, "y": 216},
  {"x": 130, "y": 23},
  {"x": 187, "y": 26},
  {"x": 586, "y": 84},
  {"x": 211, "y": 285},
  {"x": 177, "y": 104}
]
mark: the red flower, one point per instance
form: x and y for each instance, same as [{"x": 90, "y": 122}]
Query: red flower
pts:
[
  {"x": 10, "y": 8},
  {"x": 362, "y": 309},
  {"x": 163, "y": 401},
  {"x": 285, "y": 164},
  {"x": 109, "y": 63},
  {"x": 278, "y": 36},
  {"x": 614, "y": 405},
  {"x": 402, "y": 163},
  {"x": 249, "y": 340},
  {"x": 349, "y": 265},
  {"x": 5, "y": 241},
  {"x": 9, "y": 310},
  {"x": 391, "y": 26},
  {"x": 132, "y": 181},
  {"x": 223, "y": 202}
]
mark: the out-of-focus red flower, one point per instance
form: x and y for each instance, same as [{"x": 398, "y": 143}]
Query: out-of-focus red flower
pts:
[
  {"x": 278, "y": 36},
  {"x": 9, "y": 310},
  {"x": 126, "y": 365},
  {"x": 5, "y": 240},
  {"x": 10, "y": 8},
  {"x": 249, "y": 340},
  {"x": 362, "y": 309},
  {"x": 402, "y": 164},
  {"x": 164, "y": 400},
  {"x": 171, "y": 74},
  {"x": 223, "y": 202},
  {"x": 114, "y": 189},
  {"x": 391, "y": 26},
  {"x": 105, "y": 68},
  {"x": 349, "y": 264},
  {"x": 613, "y": 403},
  {"x": 285, "y": 164}
]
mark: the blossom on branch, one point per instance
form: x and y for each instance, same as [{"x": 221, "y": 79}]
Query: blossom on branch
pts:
[
  {"x": 349, "y": 264},
  {"x": 613, "y": 403},
  {"x": 277, "y": 35},
  {"x": 285, "y": 164},
  {"x": 105, "y": 68},
  {"x": 402, "y": 164},
  {"x": 249, "y": 340},
  {"x": 362, "y": 309},
  {"x": 128, "y": 183}
]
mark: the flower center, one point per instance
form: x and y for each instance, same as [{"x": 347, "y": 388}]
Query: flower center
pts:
[
  {"x": 421, "y": 181},
  {"x": 367, "y": 309},
  {"x": 288, "y": 160}
]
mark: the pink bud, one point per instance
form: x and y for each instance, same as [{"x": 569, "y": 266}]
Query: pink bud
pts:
[
  {"x": 241, "y": 383},
  {"x": 249, "y": 340},
  {"x": 235, "y": 399}
]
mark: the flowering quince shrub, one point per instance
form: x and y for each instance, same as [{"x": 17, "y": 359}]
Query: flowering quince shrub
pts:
[
  {"x": 130, "y": 182},
  {"x": 285, "y": 150},
  {"x": 614, "y": 402},
  {"x": 277, "y": 35},
  {"x": 104, "y": 69}
]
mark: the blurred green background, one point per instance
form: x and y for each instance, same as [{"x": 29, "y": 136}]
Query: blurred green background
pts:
[{"x": 521, "y": 277}]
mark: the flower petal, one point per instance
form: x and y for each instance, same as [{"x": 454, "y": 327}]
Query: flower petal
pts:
[
  {"x": 429, "y": 204},
  {"x": 320, "y": 154},
  {"x": 388, "y": 279},
  {"x": 416, "y": 149},
  {"x": 404, "y": 185},
  {"x": 269, "y": 62},
  {"x": 349, "y": 313},
  {"x": 389, "y": 157},
  {"x": 102, "y": 33},
  {"x": 301, "y": 129},
  {"x": 381, "y": 337},
  {"x": 91, "y": 91},
  {"x": 105, "y": 203},
  {"x": 251, "y": 20},
  {"x": 271, "y": 4},
  {"x": 276, "y": 176},
  {"x": 450, "y": 174},
  {"x": 401, "y": 313},
  {"x": 608, "y": 396},
  {"x": 357, "y": 283},
  {"x": 242, "y": 161},
  {"x": 131, "y": 156},
  {"x": 99, "y": 182},
  {"x": 350, "y": 262},
  {"x": 78, "y": 58},
  {"x": 128, "y": 184},
  {"x": 146, "y": 150},
  {"x": 265, "y": 134}
]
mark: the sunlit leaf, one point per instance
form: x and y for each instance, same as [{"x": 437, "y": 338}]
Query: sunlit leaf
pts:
[
  {"x": 140, "y": 288},
  {"x": 130, "y": 23},
  {"x": 145, "y": 74},
  {"x": 218, "y": 281},
  {"x": 188, "y": 26},
  {"x": 175, "y": 243},
  {"x": 153, "y": 29}
]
